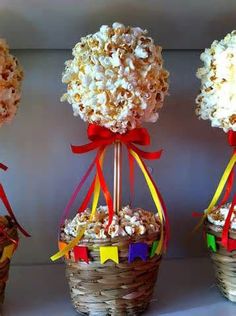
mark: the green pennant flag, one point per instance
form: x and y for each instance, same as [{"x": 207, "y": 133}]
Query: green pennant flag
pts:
[
  {"x": 211, "y": 242},
  {"x": 154, "y": 248}
]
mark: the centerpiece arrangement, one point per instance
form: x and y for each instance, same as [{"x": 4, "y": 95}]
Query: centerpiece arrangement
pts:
[
  {"x": 115, "y": 81},
  {"x": 11, "y": 75},
  {"x": 217, "y": 102}
]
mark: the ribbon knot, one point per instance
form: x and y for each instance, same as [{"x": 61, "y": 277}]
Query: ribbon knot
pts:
[{"x": 98, "y": 133}]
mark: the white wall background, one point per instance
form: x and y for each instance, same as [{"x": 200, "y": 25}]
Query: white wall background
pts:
[{"x": 36, "y": 146}]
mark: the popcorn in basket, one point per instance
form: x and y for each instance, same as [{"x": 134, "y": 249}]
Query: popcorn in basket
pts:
[
  {"x": 115, "y": 82},
  {"x": 216, "y": 102},
  {"x": 11, "y": 76}
]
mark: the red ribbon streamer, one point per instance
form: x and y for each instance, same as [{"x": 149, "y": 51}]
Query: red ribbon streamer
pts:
[
  {"x": 232, "y": 138},
  {"x": 7, "y": 205},
  {"x": 100, "y": 138},
  {"x": 225, "y": 232},
  {"x": 87, "y": 198},
  {"x": 106, "y": 193},
  {"x": 228, "y": 190},
  {"x": 3, "y": 167}
]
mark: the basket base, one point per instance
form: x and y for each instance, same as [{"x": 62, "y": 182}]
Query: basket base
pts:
[
  {"x": 224, "y": 263},
  {"x": 112, "y": 289},
  {"x": 129, "y": 312},
  {"x": 224, "y": 267}
]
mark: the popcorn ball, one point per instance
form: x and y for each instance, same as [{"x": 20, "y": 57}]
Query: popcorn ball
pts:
[
  {"x": 11, "y": 75},
  {"x": 116, "y": 78},
  {"x": 217, "y": 99}
]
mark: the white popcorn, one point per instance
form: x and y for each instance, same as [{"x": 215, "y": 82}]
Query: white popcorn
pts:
[
  {"x": 218, "y": 216},
  {"x": 217, "y": 99},
  {"x": 127, "y": 223},
  {"x": 116, "y": 78},
  {"x": 11, "y": 76},
  {"x": 130, "y": 230}
]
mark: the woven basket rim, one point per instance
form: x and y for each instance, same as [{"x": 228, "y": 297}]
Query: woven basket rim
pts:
[
  {"x": 133, "y": 238},
  {"x": 209, "y": 226}
]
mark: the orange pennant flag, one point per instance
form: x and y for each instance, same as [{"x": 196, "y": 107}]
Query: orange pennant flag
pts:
[{"x": 62, "y": 245}]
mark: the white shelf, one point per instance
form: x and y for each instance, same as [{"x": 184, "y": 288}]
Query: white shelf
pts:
[{"x": 185, "y": 287}]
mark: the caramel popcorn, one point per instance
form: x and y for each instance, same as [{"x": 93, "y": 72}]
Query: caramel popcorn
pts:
[
  {"x": 116, "y": 78},
  {"x": 129, "y": 222},
  {"x": 217, "y": 99},
  {"x": 11, "y": 76}
]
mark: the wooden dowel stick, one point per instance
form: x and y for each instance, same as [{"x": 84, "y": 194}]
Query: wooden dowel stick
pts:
[{"x": 117, "y": 176}]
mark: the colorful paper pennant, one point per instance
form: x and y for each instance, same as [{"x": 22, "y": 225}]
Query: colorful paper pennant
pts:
[
  {"x": 7, "y": 252},
  {"x": 109, "y": 253},
  {"x": 211, "y": 242},
  {"x": 154, "y": 248},
  {"x": 81, "y": 253},
  {"x": 138, "y": 250},
  {"x": 61, "y": 246}
]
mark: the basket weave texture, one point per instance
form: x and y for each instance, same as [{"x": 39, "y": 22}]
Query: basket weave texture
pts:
[
  {"x": 10, "y": 230},
  {"x": 113, "y": 289},
  {"x": 224, "y": 263}
]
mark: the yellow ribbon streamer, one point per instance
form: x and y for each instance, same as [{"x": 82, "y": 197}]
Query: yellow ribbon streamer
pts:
[
  {"x": 8, "y": 252},
  {"x": 96, "y": 195},
  {"x": 218, "y": 191},
  {"x": 155, "y": 198}
]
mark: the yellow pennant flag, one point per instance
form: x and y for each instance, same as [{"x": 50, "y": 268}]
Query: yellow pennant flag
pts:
[
  {"x": 7, "y": 252},
  {"x": 109, "y": 253}
]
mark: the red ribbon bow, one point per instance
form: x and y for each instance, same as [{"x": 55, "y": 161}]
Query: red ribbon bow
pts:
[
  {"x": 7, "y": 205},
  {"x": 101, "y": 136}
]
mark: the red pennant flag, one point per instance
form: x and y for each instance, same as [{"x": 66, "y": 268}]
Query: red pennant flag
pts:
[{"x": 81, "y": 253}]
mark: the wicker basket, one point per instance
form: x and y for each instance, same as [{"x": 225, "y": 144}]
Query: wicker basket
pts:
[
  {"x": 10, "y": 233},
  {"x": 224, "y": 263},
  {"x": 110, "y": 288}
]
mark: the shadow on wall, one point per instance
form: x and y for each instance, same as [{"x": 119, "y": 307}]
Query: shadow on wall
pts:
[
  {"x": 136, "y": 13},
  {"x": 15, "y": 27},
  {"x": 221, "y": 25}
]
